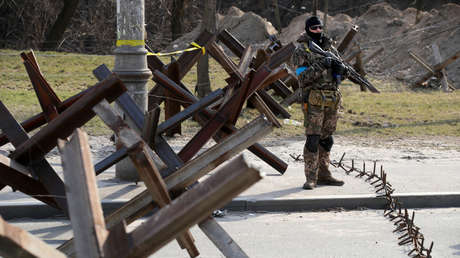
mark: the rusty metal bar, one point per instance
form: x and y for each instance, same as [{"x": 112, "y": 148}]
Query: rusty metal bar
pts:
[
  {"x": 347, "y": 39},
  {"x": 61, "y": 127},
  {"x": 41, "y": 168},
  {"x": 257, "y": 149},
  {"x": 191, "y": 110},
  {"x": 18, "y": 177}
]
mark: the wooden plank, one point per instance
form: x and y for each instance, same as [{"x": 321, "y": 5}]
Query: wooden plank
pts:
[
  {"x": 18, "y": 243},
  {"x": 85, "y": 209},
  {"x": 61, "y": 127},
  {"x": 191, "y": 207},
  {"x": 220, "y": 238},
  {"x": 442, "y": 72}
]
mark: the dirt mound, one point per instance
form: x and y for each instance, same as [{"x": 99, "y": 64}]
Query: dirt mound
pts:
[
  {"x": 337, "y": 26},
  {"x": 249, "y": 28},
  {"x": 396, "y": 31}
]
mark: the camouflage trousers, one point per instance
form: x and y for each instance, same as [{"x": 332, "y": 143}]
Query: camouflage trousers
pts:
[{"x": 320, "y": 121}]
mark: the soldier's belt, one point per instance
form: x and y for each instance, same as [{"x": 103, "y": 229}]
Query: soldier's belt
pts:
[{"x": 324, "y": 98}]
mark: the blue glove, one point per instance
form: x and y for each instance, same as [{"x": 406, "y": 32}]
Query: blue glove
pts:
[{"x": 300, "y": 70}]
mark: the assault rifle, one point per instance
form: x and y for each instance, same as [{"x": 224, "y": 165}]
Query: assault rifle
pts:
[{"x": 354, "y": 76}]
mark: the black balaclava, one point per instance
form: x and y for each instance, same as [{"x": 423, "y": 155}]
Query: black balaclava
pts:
[{"x": 311, "y": 22}]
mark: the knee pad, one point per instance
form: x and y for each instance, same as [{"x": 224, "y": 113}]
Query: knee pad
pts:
[
  {"x": 312, "y": 143},
  {"x": 327, "y": 143}
]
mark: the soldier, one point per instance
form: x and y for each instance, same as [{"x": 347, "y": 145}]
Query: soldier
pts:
[{"x": 319, "y": 78}]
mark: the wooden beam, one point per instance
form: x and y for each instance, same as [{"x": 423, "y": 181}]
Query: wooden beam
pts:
[
  {"x": 83, "y": 197},
  {"x": 18, "y": 243},
  {"x": 442, "y": 72},
  {"x": 191, "y": 207}
]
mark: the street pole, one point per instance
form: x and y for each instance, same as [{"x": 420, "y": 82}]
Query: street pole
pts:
[{"x": 131, "y": 65}]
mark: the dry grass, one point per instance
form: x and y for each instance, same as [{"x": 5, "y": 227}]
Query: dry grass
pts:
[{"x": 395, "y": 112}]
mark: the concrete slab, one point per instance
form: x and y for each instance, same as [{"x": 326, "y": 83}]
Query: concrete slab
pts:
[{"x": 359, "y": 233}]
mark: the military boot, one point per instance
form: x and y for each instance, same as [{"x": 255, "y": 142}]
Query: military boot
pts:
[
  {"x": 324, "y": 175},
  {"x": 311, "y": 169}
]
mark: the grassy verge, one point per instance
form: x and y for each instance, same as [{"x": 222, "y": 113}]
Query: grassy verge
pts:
[{"x": 395, "y": 112}]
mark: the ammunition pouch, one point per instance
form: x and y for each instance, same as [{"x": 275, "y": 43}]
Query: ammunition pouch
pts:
[{"x": 324, "y": 98}]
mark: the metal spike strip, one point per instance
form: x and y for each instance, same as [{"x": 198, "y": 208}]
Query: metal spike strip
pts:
[{"x": 393, "y": 210}]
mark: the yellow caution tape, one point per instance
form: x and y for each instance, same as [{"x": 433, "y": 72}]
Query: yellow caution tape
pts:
[
  {"x": 130, "y": 42},
  {"x": 195, "y": 47}
]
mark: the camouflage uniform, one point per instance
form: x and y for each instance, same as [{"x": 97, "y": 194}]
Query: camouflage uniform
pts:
[{"x": 320, "y": 102}]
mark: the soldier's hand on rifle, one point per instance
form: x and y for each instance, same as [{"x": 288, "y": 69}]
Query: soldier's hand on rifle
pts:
[
  {"x": 327, "y": 62},
  {"x": 339, "y": 71}
]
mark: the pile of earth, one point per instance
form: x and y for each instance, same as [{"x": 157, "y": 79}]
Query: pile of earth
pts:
[
  {"x": 396, "y": 31},
  {"x": 248, "y": 28},
  {"x": 381, "y": 26}
]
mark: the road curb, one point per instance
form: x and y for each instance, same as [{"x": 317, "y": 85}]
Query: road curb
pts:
[{"x": 38, "y": 210}]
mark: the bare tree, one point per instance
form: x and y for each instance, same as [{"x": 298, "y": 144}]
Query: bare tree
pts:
[
  {"x": 56, "y": 32},
  {"x": 203, "y": 85},
  {"x": 277, "y": 15},
  {"x": 177, "y": 18}
]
